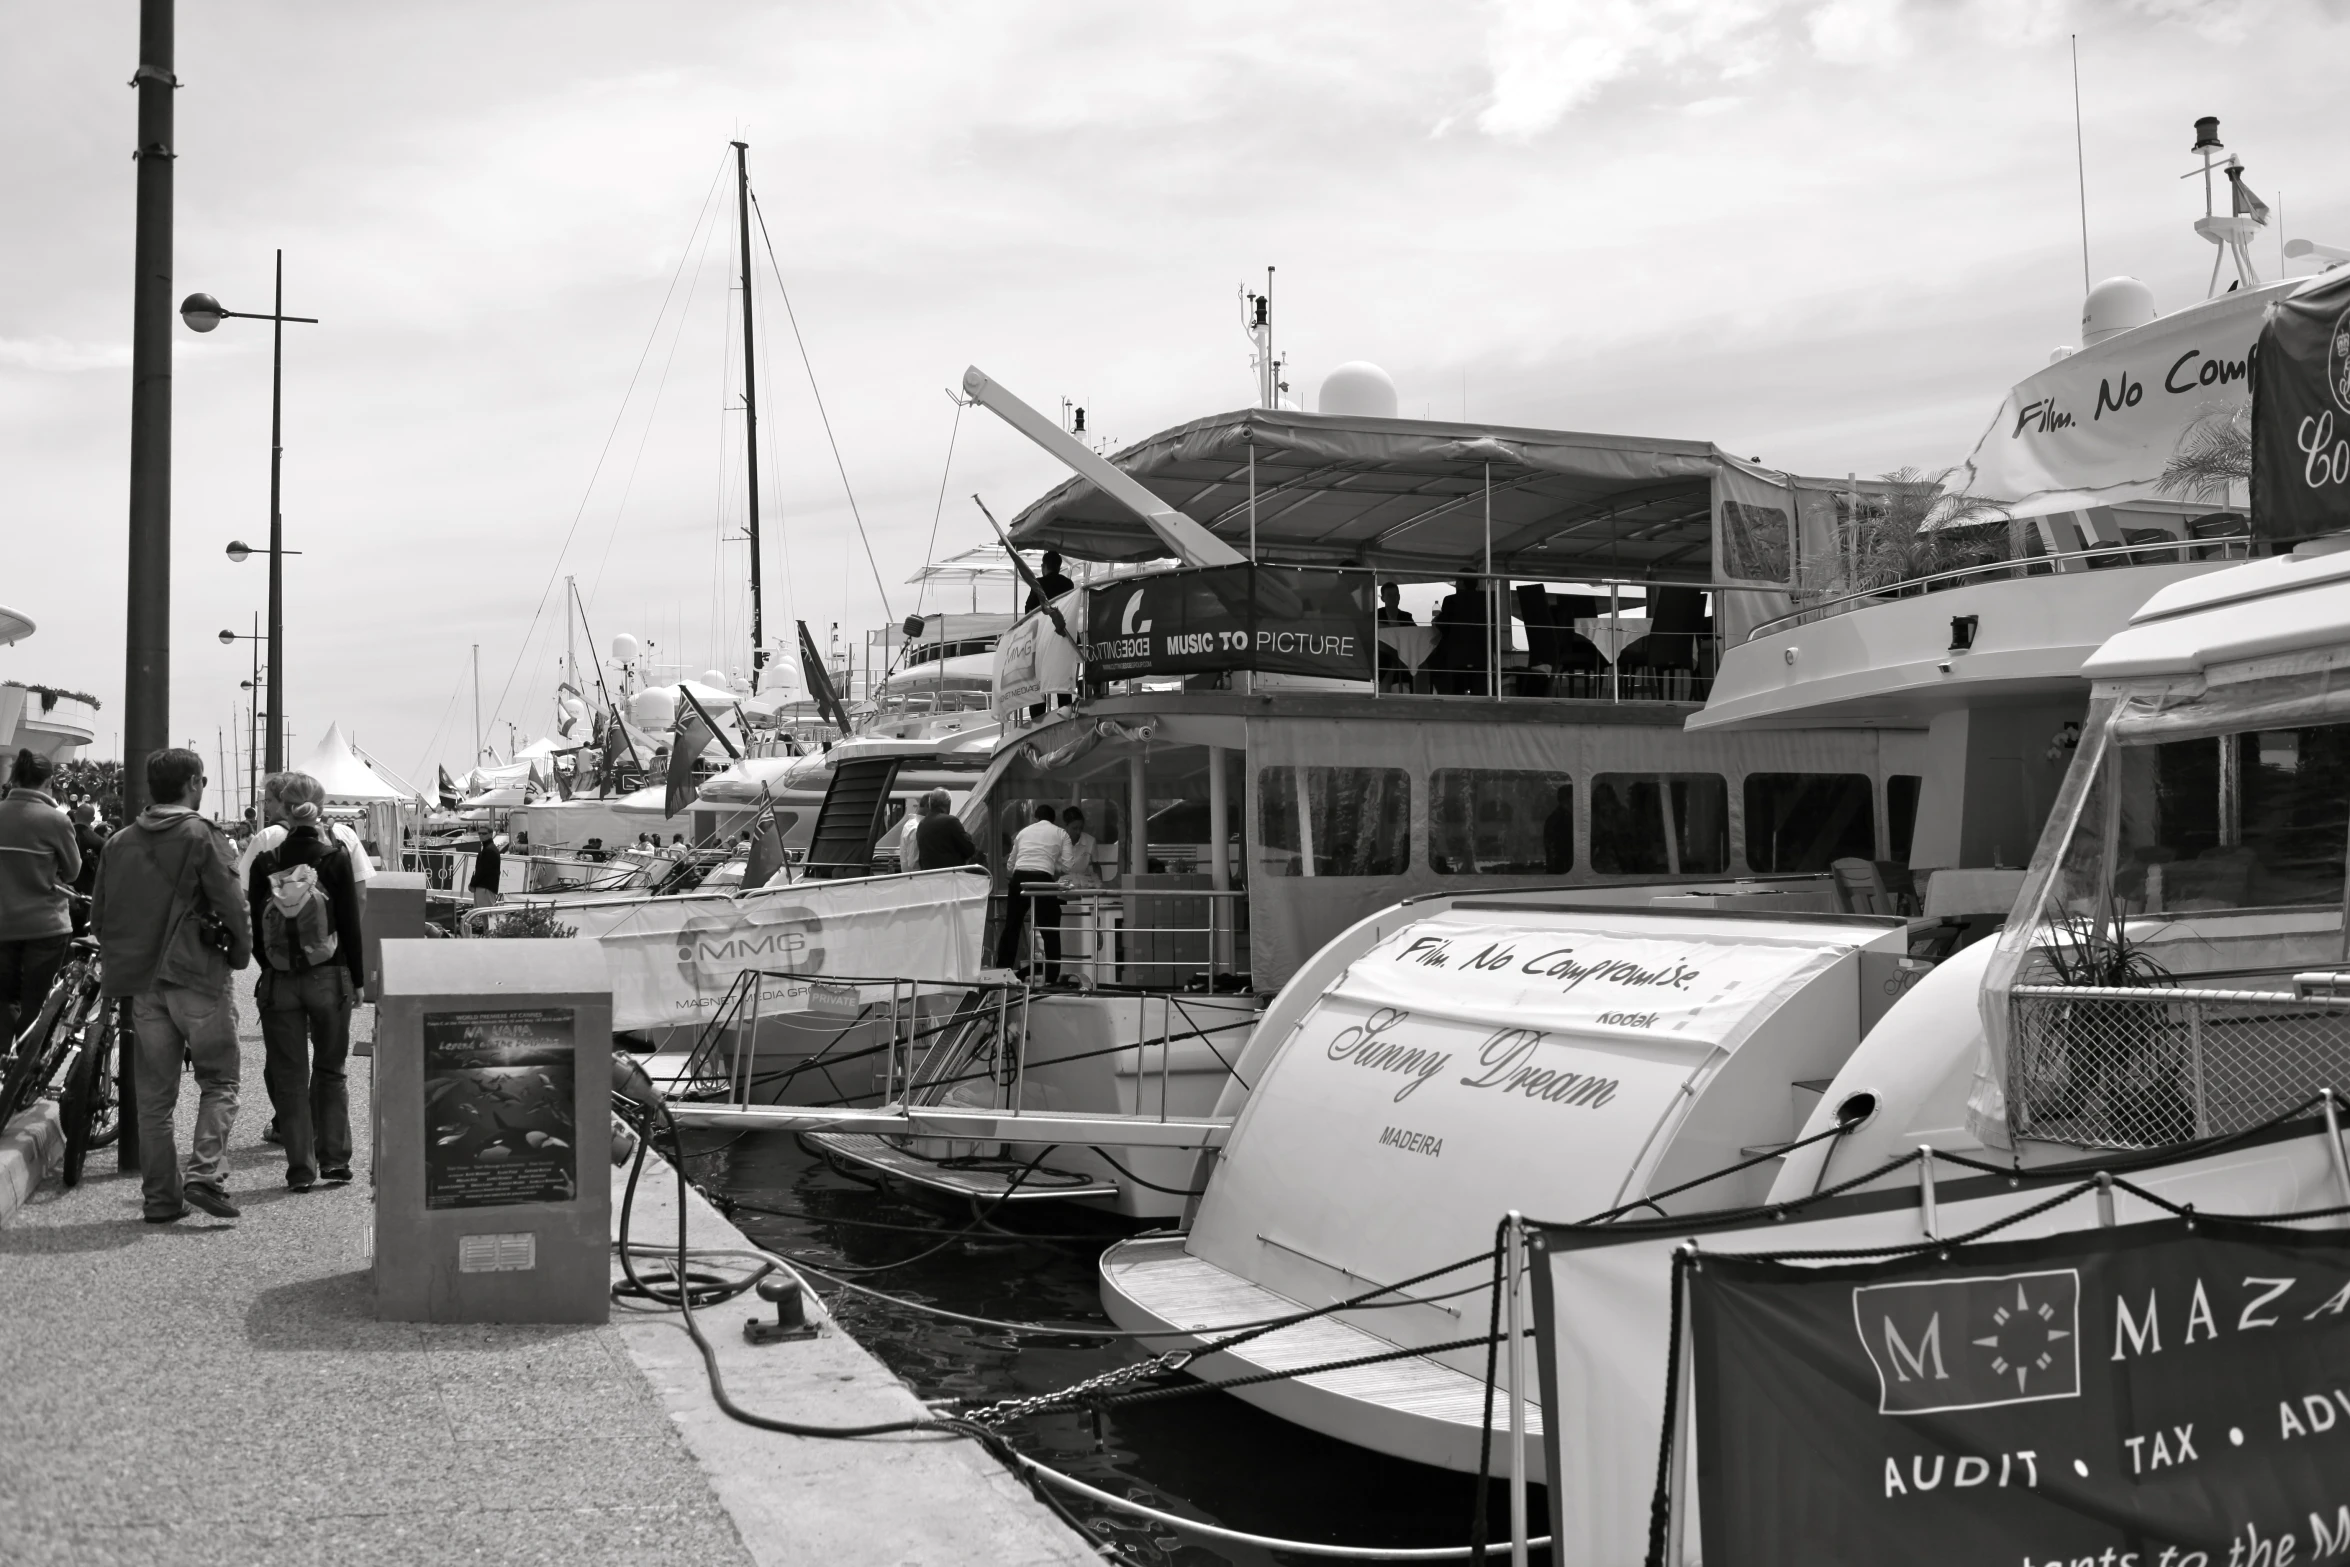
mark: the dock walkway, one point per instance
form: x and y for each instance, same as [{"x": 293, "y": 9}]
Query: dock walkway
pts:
[{"x": 210, "y": 1391}]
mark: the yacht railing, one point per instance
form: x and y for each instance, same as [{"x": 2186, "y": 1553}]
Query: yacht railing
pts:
[
  {"x": 2149, "y": 1067},
  {"x": 1144, "y": 939},
  {"x": 2103, "y": 557}
]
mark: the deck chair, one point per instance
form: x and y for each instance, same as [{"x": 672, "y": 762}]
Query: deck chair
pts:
[
  {"x": 1901, "y": 888},
  {"x": 1858, "y": 887}
]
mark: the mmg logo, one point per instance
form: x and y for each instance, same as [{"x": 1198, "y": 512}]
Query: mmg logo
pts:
[
  {"x": 1944, "y": 1344},
  {"x": 711, "y": 950}
]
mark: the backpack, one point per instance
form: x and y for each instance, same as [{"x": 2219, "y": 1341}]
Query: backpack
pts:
[{"x": 297, "y": 924}]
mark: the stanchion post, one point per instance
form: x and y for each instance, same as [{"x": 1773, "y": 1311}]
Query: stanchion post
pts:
[
  {"x": 1514, "y": 1270},
  {"x": 2334, "y": 1143},
  {"x": 1684, "y": 1462},
  {"x": 1929, "y": 1221}
]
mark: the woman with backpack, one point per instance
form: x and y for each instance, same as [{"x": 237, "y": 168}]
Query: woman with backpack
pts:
[{"x": 305, "y": 908}]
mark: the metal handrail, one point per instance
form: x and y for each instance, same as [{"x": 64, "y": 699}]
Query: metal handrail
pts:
[
  {"x": 2168, "y": 993},
  {"x": 2021, "y": 566}
]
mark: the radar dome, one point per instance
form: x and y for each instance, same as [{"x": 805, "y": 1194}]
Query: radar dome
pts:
[
  {"x": 2115, "y": 305},
  {"x": 653, "y": 708},
  {"x": 1357, "y": 387},
  {"x": 624, "y": 649}
]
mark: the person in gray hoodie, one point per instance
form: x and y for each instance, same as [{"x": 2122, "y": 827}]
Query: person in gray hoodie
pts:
[
  {"x": 39, "y": 860},
  {"x": 171, "y": 926}
]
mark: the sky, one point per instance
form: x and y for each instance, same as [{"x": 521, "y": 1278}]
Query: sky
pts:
[{"x": 1825, "y": 233}]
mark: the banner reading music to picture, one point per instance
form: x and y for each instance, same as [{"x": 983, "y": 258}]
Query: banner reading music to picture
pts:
[
  {"x": 2158, "y": 1395},
  {"x": 1271, "y": 619}
]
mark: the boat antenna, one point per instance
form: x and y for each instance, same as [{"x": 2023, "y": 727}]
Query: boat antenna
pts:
[
  {"x": 742, "y": 205},
  {"x": 2080, "y": 163}
]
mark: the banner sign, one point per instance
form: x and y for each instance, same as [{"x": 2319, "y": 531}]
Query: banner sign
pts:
[
  {"x": 672, "y": 960},
  {"x": 2097, "y": 427},
  {"x": 2301, "y": 415},
  {"x": 2159, "y": 1395},
  {"x": 1272, "y": 619}
]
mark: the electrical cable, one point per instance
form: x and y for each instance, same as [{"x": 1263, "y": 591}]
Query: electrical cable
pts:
[{"x": 1171, "y": 1191}]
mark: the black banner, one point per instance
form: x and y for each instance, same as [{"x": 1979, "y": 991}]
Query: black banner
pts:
[
  {"x": 1274, "y": 619},
  {"x": 2301, "y": 415},
  {"x": 2150, "y": 1396},
  {"x": 498, "y": 1101}
]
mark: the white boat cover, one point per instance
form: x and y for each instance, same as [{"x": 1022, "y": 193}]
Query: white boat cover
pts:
[{"x": 672, "y": 960}]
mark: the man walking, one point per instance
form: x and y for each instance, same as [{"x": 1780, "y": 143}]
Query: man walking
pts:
[
  {"x": 483, "y": 884},
  {"x": 1040, "y": 853},
  {"x": 304, "y": 903},
  {"x": 171, "y": 929},
  {"x": 39, "y": 859}
]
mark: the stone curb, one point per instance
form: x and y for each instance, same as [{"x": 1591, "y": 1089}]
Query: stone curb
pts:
[{"x": 30, "y": 1148}]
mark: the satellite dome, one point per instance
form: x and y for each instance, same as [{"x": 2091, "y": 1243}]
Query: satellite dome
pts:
[
  {"x": 624, "y": 648},
  {"x": 717, "y": 679},
  {"x": 2115, "y": 305},
  {"x": 653, "y": 708},
  {"x": 1357, "y": 387}
]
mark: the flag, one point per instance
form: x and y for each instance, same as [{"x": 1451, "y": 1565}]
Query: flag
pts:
[
  {"x": 819, "y": 683},
  {"x": 2241, "y": 200},
  {"x": 1020, "y": 565},
  {"x": 570, "y": 707},
  {"x": 692, "y": 736},
  {"x": 766, "y": 856},
  {"x": 450, "y": 793}
]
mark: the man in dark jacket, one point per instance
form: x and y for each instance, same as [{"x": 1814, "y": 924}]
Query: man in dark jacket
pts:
[
  {"x": 313, "y": 967},
  {"x": 171, "y": 928},
  {"x": 38, "y": 862},
  {"x": 940, "y": 840}
]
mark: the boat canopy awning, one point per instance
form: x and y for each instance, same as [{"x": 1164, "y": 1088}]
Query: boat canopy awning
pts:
[{"x": 1407, "y": 496}]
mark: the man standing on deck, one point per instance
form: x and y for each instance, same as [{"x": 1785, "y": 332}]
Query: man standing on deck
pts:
[
  {"x": 1040, "y": 853},
  {"x": 1053, "y": 581},
  {"x": 940, "y": 841},
  {"x": 484, "y": 883},
  {"x": 171, "y": 928}
]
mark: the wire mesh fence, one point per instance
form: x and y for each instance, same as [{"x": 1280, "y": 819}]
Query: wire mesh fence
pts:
[{"x": 2148, "y": 1068}]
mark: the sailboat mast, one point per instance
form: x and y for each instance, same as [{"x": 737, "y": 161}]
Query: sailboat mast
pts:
[{"x": 742, "y": 204}]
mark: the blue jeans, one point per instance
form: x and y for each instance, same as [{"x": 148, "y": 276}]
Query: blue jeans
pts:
[
  {"x": 306, "y": 1030},
  {"x": 168, "y": 1023}
]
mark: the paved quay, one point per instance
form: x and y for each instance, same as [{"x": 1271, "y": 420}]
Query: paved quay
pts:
[{"x": 210, "y": 1391}]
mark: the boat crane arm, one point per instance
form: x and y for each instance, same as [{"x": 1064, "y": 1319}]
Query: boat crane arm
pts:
[{"x": 1184, "y": 538}]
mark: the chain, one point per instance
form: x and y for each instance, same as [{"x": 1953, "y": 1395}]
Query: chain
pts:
[{"x": 1077, "y": 1392}]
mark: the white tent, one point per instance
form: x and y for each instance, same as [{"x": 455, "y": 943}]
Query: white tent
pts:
[{"x": 347, "y": 779}]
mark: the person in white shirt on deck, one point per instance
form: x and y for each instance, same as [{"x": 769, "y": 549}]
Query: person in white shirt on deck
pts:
[{"x": 1040, "y": 853}]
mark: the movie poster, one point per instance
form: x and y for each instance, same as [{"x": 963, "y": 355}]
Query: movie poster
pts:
[{"x": 498, "y": 1106}]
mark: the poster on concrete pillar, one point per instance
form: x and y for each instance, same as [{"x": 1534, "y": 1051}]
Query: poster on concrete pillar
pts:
[
  {"x": 2155, "y": 1395},
  {"x": 498, "y": 1108}
]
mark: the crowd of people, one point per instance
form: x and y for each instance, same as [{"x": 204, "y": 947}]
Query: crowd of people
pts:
[{"x": 176, "y": 908}]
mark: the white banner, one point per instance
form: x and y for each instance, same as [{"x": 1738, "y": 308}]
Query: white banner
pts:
[
  {"x": 672, "y": 960},
  {"x": 2096, "y": 427}
]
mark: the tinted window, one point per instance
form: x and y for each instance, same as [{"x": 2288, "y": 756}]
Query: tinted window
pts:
[
  {"x": 1487, "y": 822},
  {"x": 2285, "y": 846},
  {"x": 1334, "y": 821},
  {"x": 1802, "y": 821},
  {"x": 1901, "y": 813},
  {"x": 1660, "y": 824}
]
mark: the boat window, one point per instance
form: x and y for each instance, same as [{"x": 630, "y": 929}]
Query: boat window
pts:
[
  {"x": 2267, "y": 831},
  {"x": 1660, "y": 824},
  {"x": 1901, "y": 813},
  {"x": 1799, "y": 822},
  {"x": 1334, "y": 821},
  {"x": 1489, "y": 822}
]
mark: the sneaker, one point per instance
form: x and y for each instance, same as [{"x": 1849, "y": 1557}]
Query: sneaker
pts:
[
  {"x": 211, "y": 1199},
  {"x": 173, "y": 1217},
  {"x": 337, "y": 1175},
  {"x": 301, "y": 1181}
]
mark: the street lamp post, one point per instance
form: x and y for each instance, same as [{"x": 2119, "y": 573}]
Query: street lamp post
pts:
[
  {"x": 253, "y": 716},
  {"x": 202, "y": 313}
]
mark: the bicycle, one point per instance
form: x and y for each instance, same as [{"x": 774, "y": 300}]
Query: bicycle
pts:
[{"x": 66, "y": 1051}]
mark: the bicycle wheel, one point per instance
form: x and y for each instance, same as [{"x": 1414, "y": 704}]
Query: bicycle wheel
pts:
[
  {"x": 104, "y": 1113},
  {"x": 77, "y": 1103},
  {"x": 32, "y": 1060}
]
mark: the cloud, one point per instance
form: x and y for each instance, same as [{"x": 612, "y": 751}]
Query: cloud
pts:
[
  {"x": 1549, "y": 59},
  {"x": 52, "y": 355}
]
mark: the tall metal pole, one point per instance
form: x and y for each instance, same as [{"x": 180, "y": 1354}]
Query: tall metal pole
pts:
[
  {"x": 253, "y": 730},
  {"x": 742, "y": 202},
  {"x": 476, "y": 704},
  {"x": 277, "y": 539},
  {"x": 147, "y": 621}
]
